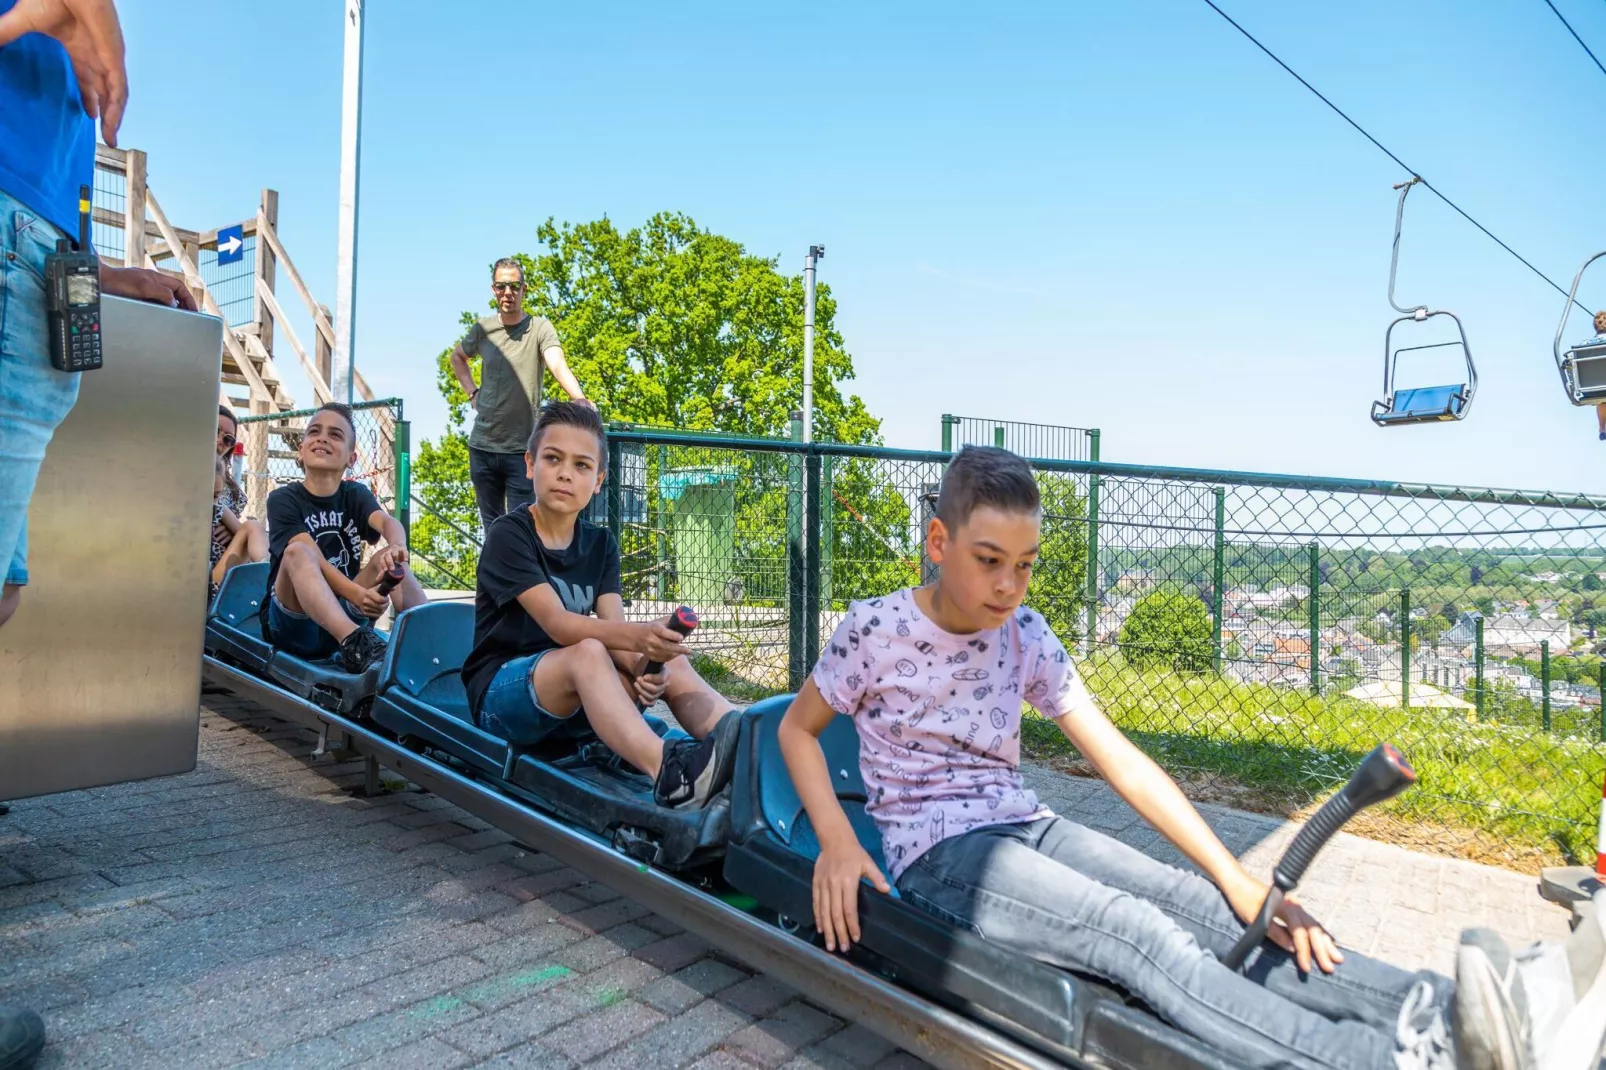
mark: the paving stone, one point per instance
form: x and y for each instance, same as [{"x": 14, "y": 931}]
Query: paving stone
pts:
[
  {"x": 757, "y": 996},
  {"x": 857, "y": 1045},
  {"x": 600, "y": 1031},
  {"x": 527, "y": 1057},
  {"x": 776, "y": 1038},
  {"x": 673, "y": 952},
  {"x": 678, "y": 1040},
  {"x": 689, "y": 986}
]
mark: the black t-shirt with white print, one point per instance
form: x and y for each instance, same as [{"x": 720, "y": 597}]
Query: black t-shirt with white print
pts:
[
  {"x": 338, "y": 524},
  {"x": 513, "y": 561}
]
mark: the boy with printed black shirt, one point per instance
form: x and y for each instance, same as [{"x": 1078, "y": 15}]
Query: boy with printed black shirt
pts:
[
  {"x": 551, "y": 641},
  {"x": 322, "y": 599}
]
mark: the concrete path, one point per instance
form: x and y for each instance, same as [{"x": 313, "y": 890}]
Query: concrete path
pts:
[{"x": 255, "y": 912}]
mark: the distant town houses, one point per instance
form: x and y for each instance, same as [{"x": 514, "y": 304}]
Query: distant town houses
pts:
[{"x": 1511, "y": 635}]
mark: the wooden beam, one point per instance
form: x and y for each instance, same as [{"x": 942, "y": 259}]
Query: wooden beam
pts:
[
  {"x": 319, "y": 386},
  {"x": 110, "y": 158},
  {"x": 267, "y": 209},
  {"x": 134, "y": 208}
]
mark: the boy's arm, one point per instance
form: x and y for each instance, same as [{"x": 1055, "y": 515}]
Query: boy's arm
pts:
[
  {"x": 1150, "y": 791},
  {"x": 657, "y": 641},
  {"x": 394, "y": 537},
  {"x": 843, "y": 860},
  {"x": 336, "y": 579},
  {"x": 611, "y": 607}
]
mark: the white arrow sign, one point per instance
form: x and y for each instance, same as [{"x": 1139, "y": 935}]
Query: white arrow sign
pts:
[{"x": 230, "y": 247}]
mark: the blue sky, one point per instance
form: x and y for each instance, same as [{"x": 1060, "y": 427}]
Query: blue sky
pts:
[{"x": 1112, "y": 215}]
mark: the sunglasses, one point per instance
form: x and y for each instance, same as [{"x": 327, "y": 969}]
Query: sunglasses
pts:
[
  {"x": 507, "y": 287},
  {"x": 226, "y": 440}
]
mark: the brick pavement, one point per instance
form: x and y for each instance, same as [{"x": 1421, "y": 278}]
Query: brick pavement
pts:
[{"x": 259, "y": 912}]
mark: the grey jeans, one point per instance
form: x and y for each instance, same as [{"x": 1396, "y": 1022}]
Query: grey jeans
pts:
[{"x": 1078, "y": 899}]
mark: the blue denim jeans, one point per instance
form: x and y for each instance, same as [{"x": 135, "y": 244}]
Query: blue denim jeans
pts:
[
  {"x": 1067, "y": 895},
  {"x": 34, "y": 397}
]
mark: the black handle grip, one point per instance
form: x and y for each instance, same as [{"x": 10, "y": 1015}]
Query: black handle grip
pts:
[
  {"x": 389, "y": 580},
  {"x": 684, "y": 621},
  {"x": 1382, "y": 775}
]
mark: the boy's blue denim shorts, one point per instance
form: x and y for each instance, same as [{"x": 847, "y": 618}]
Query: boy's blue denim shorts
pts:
[
  {"x": 299, "y": 635},
  {"x": 510, "y": 710},
  {"x": 34, "y": 397}
]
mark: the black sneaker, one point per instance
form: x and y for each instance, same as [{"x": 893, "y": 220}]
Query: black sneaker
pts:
[
  {"x": 361, "y": 651},
  {"x": 695, "y": 770},
  {"x": 22, "y": 1037}
]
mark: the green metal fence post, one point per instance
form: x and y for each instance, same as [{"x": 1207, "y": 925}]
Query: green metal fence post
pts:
[
  {"x": 1405, "y": 648},
  {"x": 948, "y": 422},
  {"x": 1314, "y": 604},
  {"x": 615, "y": 498},
  {"x": 1477, "y": 662},
  {"x": 402, "y": 450},
  {"x": 1092, "y": 545},
  {"x": 827, "y": 530},
  {"x": 796, "y": 578},
  {"x": 811, "y": 562},
  {"x": 1602, "y": 682},
  {"x": 1544, "y": 683},
  {"x": 1218, "y": 574},
  {"x": 998, "y": 436}
]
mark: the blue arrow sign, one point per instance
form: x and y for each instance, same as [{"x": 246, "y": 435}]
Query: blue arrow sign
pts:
[{"x": 230, "y": 245}]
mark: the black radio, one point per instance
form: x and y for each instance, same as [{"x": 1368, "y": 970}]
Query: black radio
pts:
[{"x": 72, "y": 281}]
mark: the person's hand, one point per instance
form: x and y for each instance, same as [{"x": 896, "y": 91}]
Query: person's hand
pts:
[
  {"x": 370, "y": 603},
  {"x": 1292, "y": 927},
  {"x": 837, "y": 873},
  {"x": 659, "y": 642},
  {"x": 144, "y": 284},
  {"x": 587, "y": 402},
  {"x": 89, "y": 31},
  {"x": 388, "y": 557},
  {"x": 650, "y": 687}
]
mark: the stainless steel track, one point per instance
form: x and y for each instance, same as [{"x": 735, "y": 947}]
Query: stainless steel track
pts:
[{"x": 935, "y": 1034}]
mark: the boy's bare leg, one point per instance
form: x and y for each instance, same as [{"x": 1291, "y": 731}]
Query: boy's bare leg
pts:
[
  {"x": 256, "y": 548},
  {"x": 234, "y": 555},
  {"x": 301, "y": 588},
  {"x": 584, "y": 675},
  {"x": 695, "y": 704}
]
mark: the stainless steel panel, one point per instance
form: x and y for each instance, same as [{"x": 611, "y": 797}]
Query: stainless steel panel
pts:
[{"x": 100, "y": 669}]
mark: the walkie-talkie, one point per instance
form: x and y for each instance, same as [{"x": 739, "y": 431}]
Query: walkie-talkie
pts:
[{"x": 72, "y": 279}]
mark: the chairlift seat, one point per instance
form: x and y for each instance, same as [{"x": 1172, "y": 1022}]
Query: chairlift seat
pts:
[
  {"x": 1583, "y": 369},
  {"x": 771, "y": 856},
  {"x": 573, "y": 776},
  {"x": 1422, "y": 404},
  {"x": 234, "y": 623}
]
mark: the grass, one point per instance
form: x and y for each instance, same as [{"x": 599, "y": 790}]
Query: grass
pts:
[{"x": 1493, "y": 791}]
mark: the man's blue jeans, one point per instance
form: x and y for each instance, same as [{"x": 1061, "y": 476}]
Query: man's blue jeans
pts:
[
  {"x": 1067, "y": 895},
  {"x": 34, "y": 397}
]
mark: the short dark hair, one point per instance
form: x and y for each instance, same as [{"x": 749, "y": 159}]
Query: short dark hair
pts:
[
  {"x": 508, "y": 262},
  {"x": 986, "y": 475},
  {"x": 344, "y": 412},
  {"x": 569, "y": 414}
]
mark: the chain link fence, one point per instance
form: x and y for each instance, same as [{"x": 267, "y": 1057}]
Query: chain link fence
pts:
[{"x": 1255, "y": 634}]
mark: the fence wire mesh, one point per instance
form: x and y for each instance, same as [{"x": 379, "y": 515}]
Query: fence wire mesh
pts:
[{"x": 1256, "y": 635}]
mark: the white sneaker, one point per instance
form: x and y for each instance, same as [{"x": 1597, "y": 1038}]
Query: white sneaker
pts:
[
  {"x": 1490, "y": 1014},
  {"x": 1576, "y": 1044},
  {"x": 1421, "y": 1039}
]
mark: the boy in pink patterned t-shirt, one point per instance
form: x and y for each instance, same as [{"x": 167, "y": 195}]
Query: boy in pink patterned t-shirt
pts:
[{"x": 934, "y": 679}]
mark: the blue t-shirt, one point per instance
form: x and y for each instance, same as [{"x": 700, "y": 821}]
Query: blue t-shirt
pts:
[{"x": 47, "y": 143}]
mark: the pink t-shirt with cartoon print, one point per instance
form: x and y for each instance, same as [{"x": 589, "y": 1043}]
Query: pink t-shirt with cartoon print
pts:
[{"x": 938, "y": 717}]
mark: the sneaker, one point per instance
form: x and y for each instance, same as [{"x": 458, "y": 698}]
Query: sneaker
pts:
[
  {"x": 1421, "y": 1038},
  {"x": 1490, "y": 1014},
  {"x": 22, "y": 1037},
  {"x": 695, "y": 770},
  {"x": 361, "y": 651},
  {"x": 1575, "y": 1044}
]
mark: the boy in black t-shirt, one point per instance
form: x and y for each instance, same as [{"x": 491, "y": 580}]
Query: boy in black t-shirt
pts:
[
  {"x": 540, "y": 656},
  {"x": 322, "y": 599}
]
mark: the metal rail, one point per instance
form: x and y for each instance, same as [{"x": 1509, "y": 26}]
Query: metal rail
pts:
[{"x": 933, "y": 1033}]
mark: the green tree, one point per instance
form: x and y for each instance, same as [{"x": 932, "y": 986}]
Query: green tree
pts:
[
  {"x": 1059, "y": 582},
  {"x": 1169, "y": 629},
  {"x": 665, "y": 324}
]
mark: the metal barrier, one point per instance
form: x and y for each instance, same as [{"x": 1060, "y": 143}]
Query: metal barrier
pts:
[
  {"x": 1027, "y": 439},
  {"x": 271, "y": 440},
  {"x": 1255, "y": 633}
]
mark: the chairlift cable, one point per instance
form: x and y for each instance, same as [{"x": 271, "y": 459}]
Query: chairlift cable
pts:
[
  {"x": 1384, "y": 149},
  {"x": 1587, "y": 51}
]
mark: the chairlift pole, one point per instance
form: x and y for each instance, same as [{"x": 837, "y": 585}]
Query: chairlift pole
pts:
[
  {"x": 340, "y": 367},
  {"x": 816, "y": 252}
]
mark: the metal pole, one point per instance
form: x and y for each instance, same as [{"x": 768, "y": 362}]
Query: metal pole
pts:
[
  {"x": 1092, "y": 547},
  {"x": 340, "y": 376},
  {"x": 1219, "y": 572},
  {"x": 1544, "y": 682},
  {"x": 1602, "y": 684},
  {"x": 1315, "y": 606},
  {"x": 797, "y": 665},
  {"x": 998, "y": 437},
  {"x": 948, "y": 432},
  {"x": 403, "y": 449},
  {"x": 1405, "y": 648},
  {"x": 815, "y": 253},
  {"x": 1477, "y": 660}
]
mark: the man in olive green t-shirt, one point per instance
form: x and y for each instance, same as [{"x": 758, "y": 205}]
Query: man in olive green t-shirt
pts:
[{"x": 514, "y": 348}]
